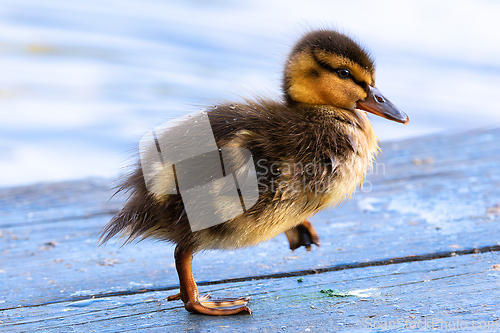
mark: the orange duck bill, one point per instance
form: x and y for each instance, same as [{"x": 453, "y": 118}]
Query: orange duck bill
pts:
[{"x": 377, "y": 104}]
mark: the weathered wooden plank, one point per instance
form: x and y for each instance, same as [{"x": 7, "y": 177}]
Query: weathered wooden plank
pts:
[
  {"x": 46, "y": 202},
  {"x": 412, "y": 209},
  {"x": 437, "y": 293}
]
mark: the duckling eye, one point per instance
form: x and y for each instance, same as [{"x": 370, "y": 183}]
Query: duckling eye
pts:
[{"x": 343, "y": 73}]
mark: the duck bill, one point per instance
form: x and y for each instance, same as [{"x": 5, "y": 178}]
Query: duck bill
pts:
[{"x": 377, "y": 104}]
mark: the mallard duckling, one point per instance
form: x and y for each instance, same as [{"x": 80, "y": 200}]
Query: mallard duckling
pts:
[{"x": 321, "y": 126}]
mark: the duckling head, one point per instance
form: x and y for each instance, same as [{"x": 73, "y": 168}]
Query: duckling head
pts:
[{"x": 328, "y": 68}]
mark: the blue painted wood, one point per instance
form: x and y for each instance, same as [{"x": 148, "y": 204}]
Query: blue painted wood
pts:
[
  {"x": 431, "y": 194},
  {"x": 434, "y": 294}
]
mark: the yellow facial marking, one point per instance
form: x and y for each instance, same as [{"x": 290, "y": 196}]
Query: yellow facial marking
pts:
[
  {"x": 359, "y": 73},
  {"x": 312, "y": 84}
]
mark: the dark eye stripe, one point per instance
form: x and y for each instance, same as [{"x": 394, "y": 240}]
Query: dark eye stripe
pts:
[
  {"x": 323, "y": 64},
  {"x": 330, "y": 68},
  {"x": 362, "y": 84}
]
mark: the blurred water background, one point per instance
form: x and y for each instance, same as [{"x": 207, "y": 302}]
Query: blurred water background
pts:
[{"x": 81, "y": 82}]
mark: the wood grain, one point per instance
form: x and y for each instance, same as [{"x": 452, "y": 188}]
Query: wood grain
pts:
[{"x": 427, "y": 198}]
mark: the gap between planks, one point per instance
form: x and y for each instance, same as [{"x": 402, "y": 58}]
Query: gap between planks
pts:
[{"x": 334, "y": 268}]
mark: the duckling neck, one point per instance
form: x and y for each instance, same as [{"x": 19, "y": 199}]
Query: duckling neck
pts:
[
  {"x": 348, "y": 139},
  {"x": 329, "y": 115},
  {"x": 347, "y": 135}
]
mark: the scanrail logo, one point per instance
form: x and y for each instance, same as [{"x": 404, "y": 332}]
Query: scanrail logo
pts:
[
  {"x": 216, "y": 184},
  {"x": 428, "y": 324}
]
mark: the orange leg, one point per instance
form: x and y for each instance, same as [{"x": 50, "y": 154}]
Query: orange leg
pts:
[
  {"x": 189, "y": 290},
  {"x": 302, "y": 235}
]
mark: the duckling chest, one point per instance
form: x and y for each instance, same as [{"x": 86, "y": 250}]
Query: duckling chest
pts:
[{"x": 324, "y": 170}]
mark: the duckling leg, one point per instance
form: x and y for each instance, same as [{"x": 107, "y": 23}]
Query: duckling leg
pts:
[
  {"x": 189, "y": 290},
  {"x": 302, "y": 235}
]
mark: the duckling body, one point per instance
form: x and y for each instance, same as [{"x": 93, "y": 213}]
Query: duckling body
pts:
[
  {"x": 305, "y": 160},
  {"x": 311, "y": 151}
]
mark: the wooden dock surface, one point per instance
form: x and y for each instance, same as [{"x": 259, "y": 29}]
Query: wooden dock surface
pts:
[{"x": 416, "y": 249}]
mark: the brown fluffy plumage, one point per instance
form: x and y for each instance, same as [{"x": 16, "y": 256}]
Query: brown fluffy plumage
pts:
[
  {"x": 340, "y": 144},
  {"x": 317, "y": 126}
]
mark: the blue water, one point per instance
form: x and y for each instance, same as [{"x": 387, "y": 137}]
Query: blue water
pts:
[{"x": 82, "y": 82}]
